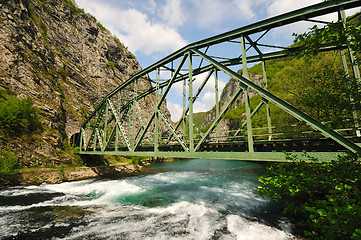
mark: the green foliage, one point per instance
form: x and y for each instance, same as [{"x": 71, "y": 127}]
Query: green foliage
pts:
[
  {"x": 18, "y": 117},
  {"x": 8, "y": 164},
  {"x": 332, "y": 34},
  {"x": 325, "y": 198},
  {"x": 36, "y": 180},
  {"x": 198, "y": 118},
  {"x": 73, "y": 152},
  {"x": 101, "y": 26},
  {"x": 64, "y": 72},
  {"x": 73, "y": 6},
  {"x": 62, "y": 172},
  {"x": 110, "y": 65},
  {"x": 59, "y": 89},
  {"x": 137, "y": 160},
  {"x": 37, "y": 19}
]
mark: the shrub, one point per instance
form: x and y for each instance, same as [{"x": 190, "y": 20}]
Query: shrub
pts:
[
  {"x": 324, "y": 198},
  {"x": 62, "y": 172},
  {"x": 8, "y": 164},
  {"x": 137, "y": 160},
  {"x": 18, "y": 116}
]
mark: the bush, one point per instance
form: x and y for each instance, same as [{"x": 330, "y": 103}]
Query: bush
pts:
[
  {"x": 325, "y": 198},
  {"x": 137, "y": 160},
  {"x": 8, "y": 164},
  {"x": 18, "y": 116}
]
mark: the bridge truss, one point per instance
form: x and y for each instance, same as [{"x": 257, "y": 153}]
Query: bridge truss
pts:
[{"x": 133, "y": 119}]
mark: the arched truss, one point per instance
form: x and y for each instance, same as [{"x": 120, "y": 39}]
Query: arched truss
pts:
[{"x": 121, "y": 126}]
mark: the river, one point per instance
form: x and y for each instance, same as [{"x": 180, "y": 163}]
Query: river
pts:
[{"x": 186, "y": 199}]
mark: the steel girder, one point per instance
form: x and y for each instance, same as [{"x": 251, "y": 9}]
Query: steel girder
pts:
[{"x": 120, "y": 125}]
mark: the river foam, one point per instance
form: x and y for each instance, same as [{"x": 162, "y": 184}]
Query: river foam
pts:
[{"x": 179, "y": 204}]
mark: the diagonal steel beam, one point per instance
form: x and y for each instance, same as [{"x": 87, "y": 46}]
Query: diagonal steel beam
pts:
[
  {"x": 245, "y": 122},
  {"x": 221, "y": 115},
  {"x": 173, "y": 131},
  {"x": 114, "y": 131},
  {"x": 99, "y": 139},
  {"x": 170, "y": 83},
  {"x": 118, "y": 122},
  {"x": 203, "y": 84},
  {"x": 97, "y": 122}
]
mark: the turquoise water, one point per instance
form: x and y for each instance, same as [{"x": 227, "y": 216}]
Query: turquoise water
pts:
[{"x": 186, "y": 199}]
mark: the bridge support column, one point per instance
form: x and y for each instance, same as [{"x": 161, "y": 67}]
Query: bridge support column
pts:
[{"x": 246, "y": 96}]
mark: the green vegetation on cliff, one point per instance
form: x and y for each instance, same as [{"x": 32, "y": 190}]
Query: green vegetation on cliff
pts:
[{"x": 17, "y": 116}]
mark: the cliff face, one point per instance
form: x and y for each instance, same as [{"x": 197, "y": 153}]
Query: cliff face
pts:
[{"x": 64, "y": 60}]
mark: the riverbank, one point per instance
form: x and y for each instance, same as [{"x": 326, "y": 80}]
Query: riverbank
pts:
[{"x": 63, "y": 173}]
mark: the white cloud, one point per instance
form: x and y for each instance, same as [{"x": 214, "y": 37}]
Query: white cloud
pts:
[
  {"x": 205, "y": 103},
  {"x": 172, "y": 13},
  {"x": 175, "y": 110},
  {"x": 245, "y": 6},
  {"x": 134, "y": 28},
  {"x": 207, "y": 98},
  {"x": 278, "y": 7},
  {"x": 283, "y": 6},
  {"x": 142, "y": 35},
  {"x": 210, "y": 13}
]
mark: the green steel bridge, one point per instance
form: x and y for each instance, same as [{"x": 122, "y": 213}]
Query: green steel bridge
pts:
[{"x": 133, "y": 119}]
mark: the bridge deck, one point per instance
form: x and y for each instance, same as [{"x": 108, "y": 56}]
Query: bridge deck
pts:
[{"x": 322, "y": 149}]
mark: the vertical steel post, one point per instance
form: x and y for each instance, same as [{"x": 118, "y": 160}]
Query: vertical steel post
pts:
[
  {"x": 190, "y": 72},
  {"x": 116, "y": 137},
  {"x": 116, "y": 125},
  {"x": 81, "y": 139},
  {"x": 129, "y": 121},
  {"x": 156, "y": 124},
  {"x": 135, "y": 111},
  {"x": 217, "y": 102},
  {"x": 246, "y": 96},
  {"x": 184, "y": 108},
  {"x": 265, "y": 81},
  {"x": 355, "y": 69},
  {"x": 105, "y": 123}
]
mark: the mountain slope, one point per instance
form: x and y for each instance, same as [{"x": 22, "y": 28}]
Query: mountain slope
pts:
[{"x": 65, "y": 61}]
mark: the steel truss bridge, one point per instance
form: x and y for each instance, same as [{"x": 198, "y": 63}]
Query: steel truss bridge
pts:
[{"x": 133, "y": 119}]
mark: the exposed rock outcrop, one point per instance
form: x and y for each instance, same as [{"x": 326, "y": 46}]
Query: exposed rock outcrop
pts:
[{"x": 62, "y": 58}]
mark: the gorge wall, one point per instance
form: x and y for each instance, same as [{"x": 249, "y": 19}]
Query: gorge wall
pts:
[{"x": 63, "y": 59}]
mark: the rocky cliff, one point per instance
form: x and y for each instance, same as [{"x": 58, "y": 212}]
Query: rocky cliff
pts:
[{"x": 63, "y": 59}]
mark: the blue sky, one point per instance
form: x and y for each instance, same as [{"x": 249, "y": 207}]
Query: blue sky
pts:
[{"x": 152, "y": 29}]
